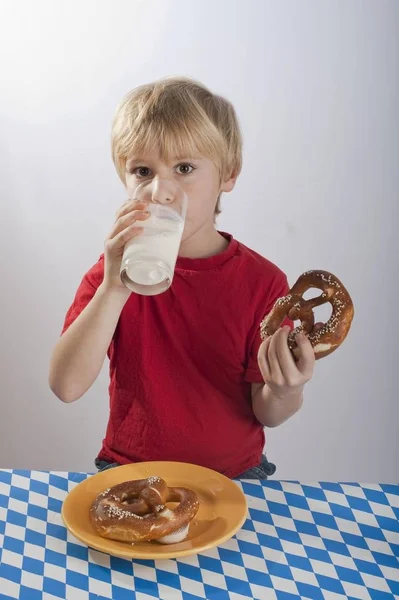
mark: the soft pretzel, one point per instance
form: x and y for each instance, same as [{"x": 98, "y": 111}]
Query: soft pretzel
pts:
[
  {"x": 136, "y": 511},
  {"x": 331, "y": 335}
]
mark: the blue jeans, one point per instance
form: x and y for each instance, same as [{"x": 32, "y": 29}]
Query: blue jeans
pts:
[{"x": 262, "y": 471}]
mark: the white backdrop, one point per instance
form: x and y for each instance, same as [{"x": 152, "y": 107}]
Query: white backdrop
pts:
[{"x": 316, "y": 87}]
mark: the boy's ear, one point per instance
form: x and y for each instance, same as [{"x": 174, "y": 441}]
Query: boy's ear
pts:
[{"x": 228, "y": 185}]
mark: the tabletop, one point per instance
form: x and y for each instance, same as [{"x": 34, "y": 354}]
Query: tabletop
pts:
[{"x": 316, "y": 540}]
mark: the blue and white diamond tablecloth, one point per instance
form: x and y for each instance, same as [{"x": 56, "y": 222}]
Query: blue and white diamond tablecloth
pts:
[{"x": 314, "y": 541}]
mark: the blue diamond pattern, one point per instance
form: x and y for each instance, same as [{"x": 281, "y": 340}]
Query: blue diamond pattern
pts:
[{"x": 271, "y": 547}]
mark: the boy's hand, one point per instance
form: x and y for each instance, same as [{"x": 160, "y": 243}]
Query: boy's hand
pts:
[
  {"x": 124, "y": 229},
  {"x": 284, "y": 375}
]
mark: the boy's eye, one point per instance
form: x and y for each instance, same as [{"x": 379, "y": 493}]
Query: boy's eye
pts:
[
  {"x": 142, "y": 171},
  {"x": 182, "y": 169},
  {"x": 185, "y": 169}
]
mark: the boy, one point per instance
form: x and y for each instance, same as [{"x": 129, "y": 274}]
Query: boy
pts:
[{"x": 189, "y": 379}]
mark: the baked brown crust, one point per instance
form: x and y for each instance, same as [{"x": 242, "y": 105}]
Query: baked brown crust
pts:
[
  {"x": 136, "y": 511},
  {"x": 331, "y": 335}
]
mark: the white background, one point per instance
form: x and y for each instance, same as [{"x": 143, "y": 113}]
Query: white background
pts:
[{"x": 316, "y": 88}]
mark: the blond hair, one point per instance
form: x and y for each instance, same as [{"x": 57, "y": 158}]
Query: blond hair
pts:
[{"x": 179, "y": 117}]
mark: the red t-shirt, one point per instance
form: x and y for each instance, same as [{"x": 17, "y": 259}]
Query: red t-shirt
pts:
[{"x": 182, "y": 363}]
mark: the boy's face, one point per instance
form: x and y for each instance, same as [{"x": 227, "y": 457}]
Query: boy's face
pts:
[{"x": 197, "y": 176}]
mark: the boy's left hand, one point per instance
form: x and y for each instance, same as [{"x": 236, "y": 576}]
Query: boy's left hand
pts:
[{"x": 284, "y": 375}]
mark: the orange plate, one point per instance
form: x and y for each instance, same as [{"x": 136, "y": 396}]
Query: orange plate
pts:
[{"x": 222, "y": 512}]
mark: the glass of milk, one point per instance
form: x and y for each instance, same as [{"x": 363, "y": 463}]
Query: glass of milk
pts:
[{"x": 149, "y": 259}]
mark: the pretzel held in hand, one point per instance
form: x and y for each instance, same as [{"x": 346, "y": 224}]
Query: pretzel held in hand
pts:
[{"x": 326, "y": 338}]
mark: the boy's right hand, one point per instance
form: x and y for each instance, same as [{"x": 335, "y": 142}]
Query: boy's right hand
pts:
[{"x": 125, "y": 228}]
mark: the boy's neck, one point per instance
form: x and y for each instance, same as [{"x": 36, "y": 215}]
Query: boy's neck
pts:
[{"x": 204, "y": 243}]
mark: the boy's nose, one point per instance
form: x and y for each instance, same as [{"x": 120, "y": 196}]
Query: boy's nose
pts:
[{"x": 162, "y": 192}]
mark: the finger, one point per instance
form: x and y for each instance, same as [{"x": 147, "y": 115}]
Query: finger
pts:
[
  {"x": 127, "y": 220},
  {"x": 275, "y": 369},
  {"x": 263, "y": 360},
  {"x": 306, "y": 360},
  {"x": 286, "y": 360},
  {"x": 120, "y": 240},
  {"x": 318, "y": 326},
  {"x": 130, "y": 205}
]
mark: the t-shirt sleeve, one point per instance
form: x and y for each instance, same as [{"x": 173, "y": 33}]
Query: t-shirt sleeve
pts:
[
  {"x": 85, "y": 292},
  {"x": 279, "y": 289}
]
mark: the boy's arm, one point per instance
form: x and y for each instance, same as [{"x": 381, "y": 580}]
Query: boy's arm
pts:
[
  {"x": 269, "y": 409},
  {"x": 281, "y": 394},
  {"x": 80, "y": 352}
]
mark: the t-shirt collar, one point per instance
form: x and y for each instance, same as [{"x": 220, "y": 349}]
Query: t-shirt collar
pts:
[{"x": 204, "y": 264}]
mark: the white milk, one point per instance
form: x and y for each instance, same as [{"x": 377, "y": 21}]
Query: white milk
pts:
[{"x": 149, "y": 259}]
